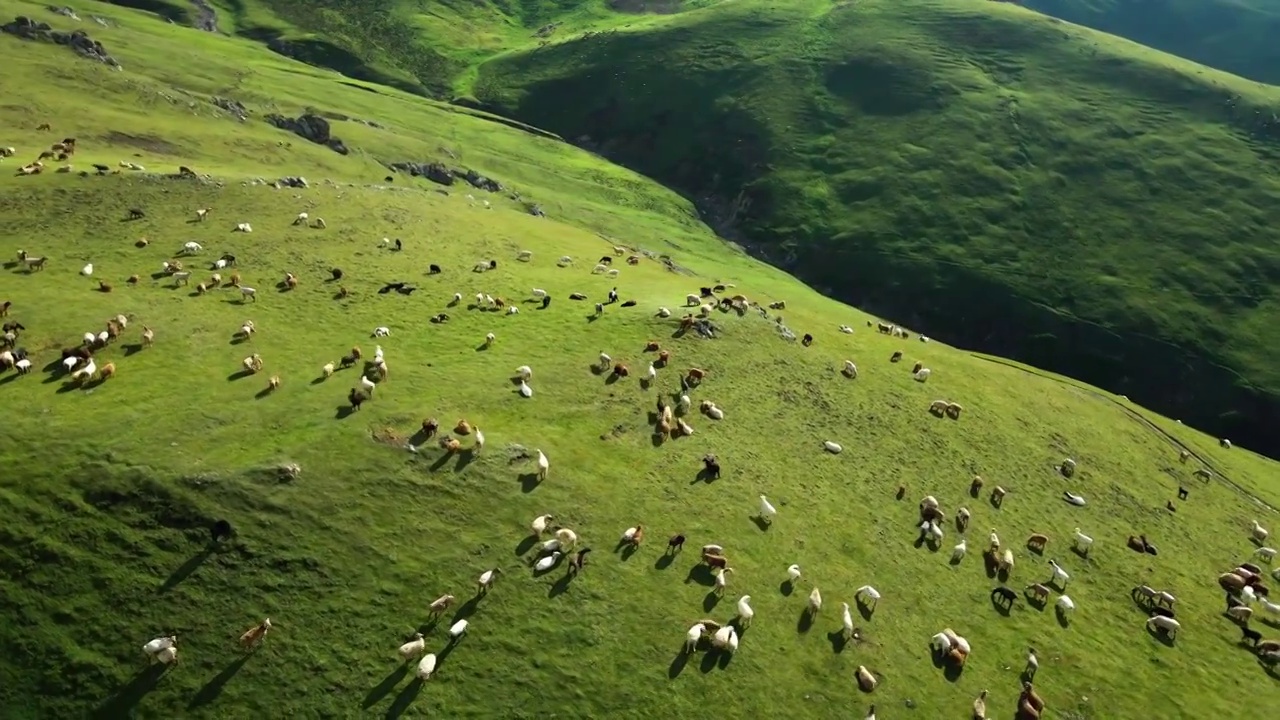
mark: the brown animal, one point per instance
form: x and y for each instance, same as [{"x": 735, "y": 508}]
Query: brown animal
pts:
[
  {"x": 107, "y": 371},
  {"x": 290, "y": 280},
  {"x": 133, "y": 280},
  {"x": 1037, "y": 542},
  {"x": 234, "y": 280},
  {"x": 1039, "y": 592},
  {"x": 450, "y": 445},
  {"x": 621, "y": 370},
  {"x": 975, "y": 487},
  {"x": 696, "y": 374},
  {"x": 356, "y": 398},
  {"x": 663, "y": 358},
  {"x": 633, "y": 260},
  {"x": 579, "y": 561},
  {"x": 343, "y": 292},
  {"x": 255, "y": 635},
  {"x": 652, "y": 346},
  {"x": 463, "y": 427},
  {"x": 686, "y": 322},
  {"x": 1138, "y": 544},
  {"x": 104, "y": 286},
  {"x": 142, "y": 242},
  {"x": 1232, "y": 583},
  {"x": 638, "y": 536},
  {"x": 430, "y": 427},
  {"x": 915, "y": 369},
  {"x": 273, "y": 384},
  {"x": 902, "y": 492},
  {"x": 715, "y": 561},
  {"x": 675, "y": 543}
]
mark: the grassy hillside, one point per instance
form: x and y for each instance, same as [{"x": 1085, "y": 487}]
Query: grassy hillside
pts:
[
  {"x": 110, "y": 487},
  {"x": 994, "y": 176},
  {"x": 1233, "y": 35}
]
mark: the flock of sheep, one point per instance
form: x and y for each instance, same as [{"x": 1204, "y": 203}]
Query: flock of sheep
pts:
[{"x": 1243, "y": 584}]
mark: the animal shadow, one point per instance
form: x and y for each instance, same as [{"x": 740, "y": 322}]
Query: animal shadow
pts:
[
  {"x": 127, "y": 698},
  {"x": 213, "y": 688},
  {"x": 664, "y": 562},
  {"x": 344, "y": 412},
  {"x": 700, "y": 574},
  {"x": 704, "y": 475},
  {"x": 407, "y": 696},
  {"x": 132, "y": 349},
  {"x": 761, "y": 523},
  {"x": 786, "y": 587},
  {"x": 529, "y": 482},
  {"x": 710, "y": 602},
  {"x": 678, "y": 664},
  {"x": 525, "y": 545},
  {"x": 838, "y": 641},
  {"x": 239, "y": 375},
  {"x": 186, "y": 569},
  {"x": 805, "y": 622}
]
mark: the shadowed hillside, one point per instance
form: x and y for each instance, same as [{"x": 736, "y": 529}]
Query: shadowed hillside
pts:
[{"x": 1238, "y": 36}]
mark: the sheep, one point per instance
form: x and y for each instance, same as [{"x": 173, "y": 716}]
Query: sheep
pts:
[
  {"x": 273, "y": 384},
  {"x": 1037, "y": 541},
  {"x": 191, "y": 248},
  {"x": 1225, "y": 443},
  {"x": 994, "y": 540},
  {"x": 744, "y": 611},
  {"x": 107, "y": 371},
  {"x": 23, "y": 366},
  {"x": 1039, "y": 592},
  {"x": 633, "y": 536},
  {"x": 543, "y": 466},
  {"x": 1006, "y": 561},
  {"x": 413, "y": 648},
  {"x": 243, "y": 228},
  {"x": 486, "y": 580},
  {"x": 1266, "y": 553},
  {"x": 922, "y": 375},
  {"x": 958, "y": 552},
  {"x": 1166, "y": 625},
  {"x": 767, "y": 510},
  {"x": 722, "y": 580},
  {"x": 939, "y": 407},
  {"x": 692, "y": 637},
  {"x": 714, "y": 560},
  {"x": 962, "y": 519},
  {"x": 1065, "y": 605},
  {"x": 87, "y": 270},
  {"x": 850, "y": 370},
  {"x": 1083, "y": 542},
  {"x": 621, "y": 370},
  {"x": 1060, "y": 576},
  {"x": 457, "y": 630},
  {"x": 1259, "y": 533},
  {"x": 381, "y": 331},
  {"x": 524, "y": 255},
  {"x": 248, "y": 292},
  {"x": 975, "y": 486},
  {"x": 1240, "y": 613},
  {"x": 1067, "y": 468},
  {"x": 815, "y": 602},
  {"x": 254, "y": 636},
  {"x": 252, "y": 364},
  {"x": 181, "y": 278},
  {"x": 548, "y": 562},
  {"x": 832, "y": 447},
  {"x": 865, "y": 593}
]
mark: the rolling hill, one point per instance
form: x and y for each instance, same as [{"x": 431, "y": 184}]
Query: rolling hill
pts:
[
  {"x": 349, "y": 523},
  {"x": 1237, "y": 36},
  {"x": 998, "y": 178}
]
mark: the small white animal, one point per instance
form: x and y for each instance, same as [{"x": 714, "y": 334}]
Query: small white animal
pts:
[{"x": 382, "y": 331}]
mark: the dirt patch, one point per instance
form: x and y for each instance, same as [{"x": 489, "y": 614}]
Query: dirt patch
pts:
[
  {"x": 389, "y": 436},
  {"x": 655, "y": 7},
  {"x": 150, "y": 143}
]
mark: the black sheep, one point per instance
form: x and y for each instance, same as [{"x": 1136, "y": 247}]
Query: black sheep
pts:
[
  {"x": 546, "y": 301},
  {"x": 399, "y": 246},
  {"x": 433, "y": 269},
  {"x": 221, "y": 530},
  {"x": 337, "y": 273}
]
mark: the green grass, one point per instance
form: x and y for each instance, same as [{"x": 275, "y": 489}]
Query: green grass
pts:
[
  {"x": 1003, "y": 179},
  {"x": 107, "y": 491}
]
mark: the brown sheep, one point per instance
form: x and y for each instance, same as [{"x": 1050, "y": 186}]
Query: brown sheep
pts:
[
  {"x": 663, "y": 427},
  {"x": 233, "y": 281},
  {"x": 450, "y": 445},
  {"x": 1037, "y": 542},
  {"x": 430, "y": 427},
  {"x": 866, "y": 680},
  {"x": 895, "y": 357},
  {"x": 715, "y": 561},
  {"x": 638, "y": 536},
  {"x": 652, "y": 346},
  {"x": 1039, "y": 592},
  {"x": 696, "y": 374},
  {"x": 290, "y": 281},
  {"x": 273, "y": 384},
  {"x": 917, "y": 367},
  {"x": 633, "y": 260},
  {"x": 621, "y": 370},
  {"x": 343, "y": 292},
  {"x": 664, "y": 357},
  {"x": 686, "y": 322},
  {"x": 953, "y": 410},
  {"x": 104, "y": 286},
  {"x": 142, "y": 242},
  {"x": 1231, "y": 582},
  {"x": 463, "y": 427},
  {"x": 107, "y": 371},
  {"x": 997, "y": 495},
  {"x": 355, "y": 352},
  {"x": 133, "y": 280}
]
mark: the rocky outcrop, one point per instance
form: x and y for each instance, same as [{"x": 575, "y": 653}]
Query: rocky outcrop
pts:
[
  {"x": 78, "y": 40},
  {"x": 235, "y": 107},
  {"x": 439, "y": 173},
  {"x": 311, "y": 127}
]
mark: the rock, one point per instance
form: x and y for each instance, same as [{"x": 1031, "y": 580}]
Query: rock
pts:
[
  {"x": 311, "y": 127},
  {"x": 290, "y": 181},
  {"x": 78, "y": 40},
  {"x": 479, "y": 181},
  {"x": 535, "y": 210},
  {"x": 235, "y": 107}
]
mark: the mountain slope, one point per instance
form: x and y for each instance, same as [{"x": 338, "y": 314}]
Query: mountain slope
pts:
[
  {"x": 110, "y": 487},
  {"x": 996, "y": 177},
  {"x": 1238, "y": 36}
]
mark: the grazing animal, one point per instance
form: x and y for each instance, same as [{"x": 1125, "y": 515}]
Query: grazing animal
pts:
[
  {"x": 675, "y": 543},
  {"x": 221, "y": 530},
  {"x": 712, "y": 466},
  {"x": 1166, "y": 625},
  {"x": 1037, "y": 542},
  {"x": 1039, "y": 592},
  {"x": 254, "y": 636}
]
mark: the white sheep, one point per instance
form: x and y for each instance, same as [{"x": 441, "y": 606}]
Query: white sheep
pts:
[
  {"x": 87, "y": 270},
  {"x": 543, "y": 466},
  {"x": 525, "y": 390},
  {"x": 613, "y": 273},
  {"x": 486, "y": 580},
  {"x": 605, "y": 360},
  {"x": 565, "y": 260},
  {"x": 568, "y": 538},
  {"x": 767, "y": 510},
  {"x": 301, "y": 219},
  {"x": 524, "y": 255},
  {"x": 745, "y": 612},
  {"x": 1259, "y": 533},
  {"x": 832, "y": 447},
  {"x": 368, "y": 384},
  {"x": 793, "y": 573},
  {"x": 540, "y": 524},
  {"x": 957, "y": 552},
  {"x": 478, "y": 267},
  {"x": 87, "y": 372},
  {"x": 684, "y": 404},
  {"x": 426, "y": 666},
  {"x": 850, "y": 370},
  {"x": 513, "y": 310},
  {"x": 923, "y": 374},
  {"x": 994, "y": 540},
  {"x": 524, "y": 372},
  {"x": 192, "y": 247},
  {"x": 664, "y": 312},
  {"x": 248, "y": 292},
  {"x": 722, "y": 579},
  {"x": 475, "y": 449},
  {"x": 714, "y": 412},
  {"x": 319, "y": 224},
  {"x": 1060, "y": 576},
  {"x": 815, "y": 601},
  {"x": 866, "y": 592},
  {"x": 598, "y": 269},
  {"x": 382, "y": 331},
  {"x": 413, "y": 648},
  {"x": 168, "y": 656},
  {"x": 160, "y": 643},
  {"x": 846, "y": 329},
  {"x": 327, "y": 370},
  {"x": 942, "y": 642},
  {"x": 1266, "y": 553},
  {"x": 1065, "y": 604},
  {"x": 692, "y": 637},
  {"x": 489, "y": 338},
  {"x": 23, "y": 366},
  {"x": 846, "y": 619},
  {"x": 1083, "y": 542},
  {"x": 1269, "y": 606},
  {"x": 1166, "y": 624},
  {"x": 1240, "y": 613},
  {"x": 457, "y": 630},
  {"x": 243, "y": 227},
  {"x": 548, "y": 562},
  {"x": 692, "y": 300},
  {"x": 1006, "y": 562},
  {"x": 69, "y": 363},
  {"x": 684, "y": 427}
]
